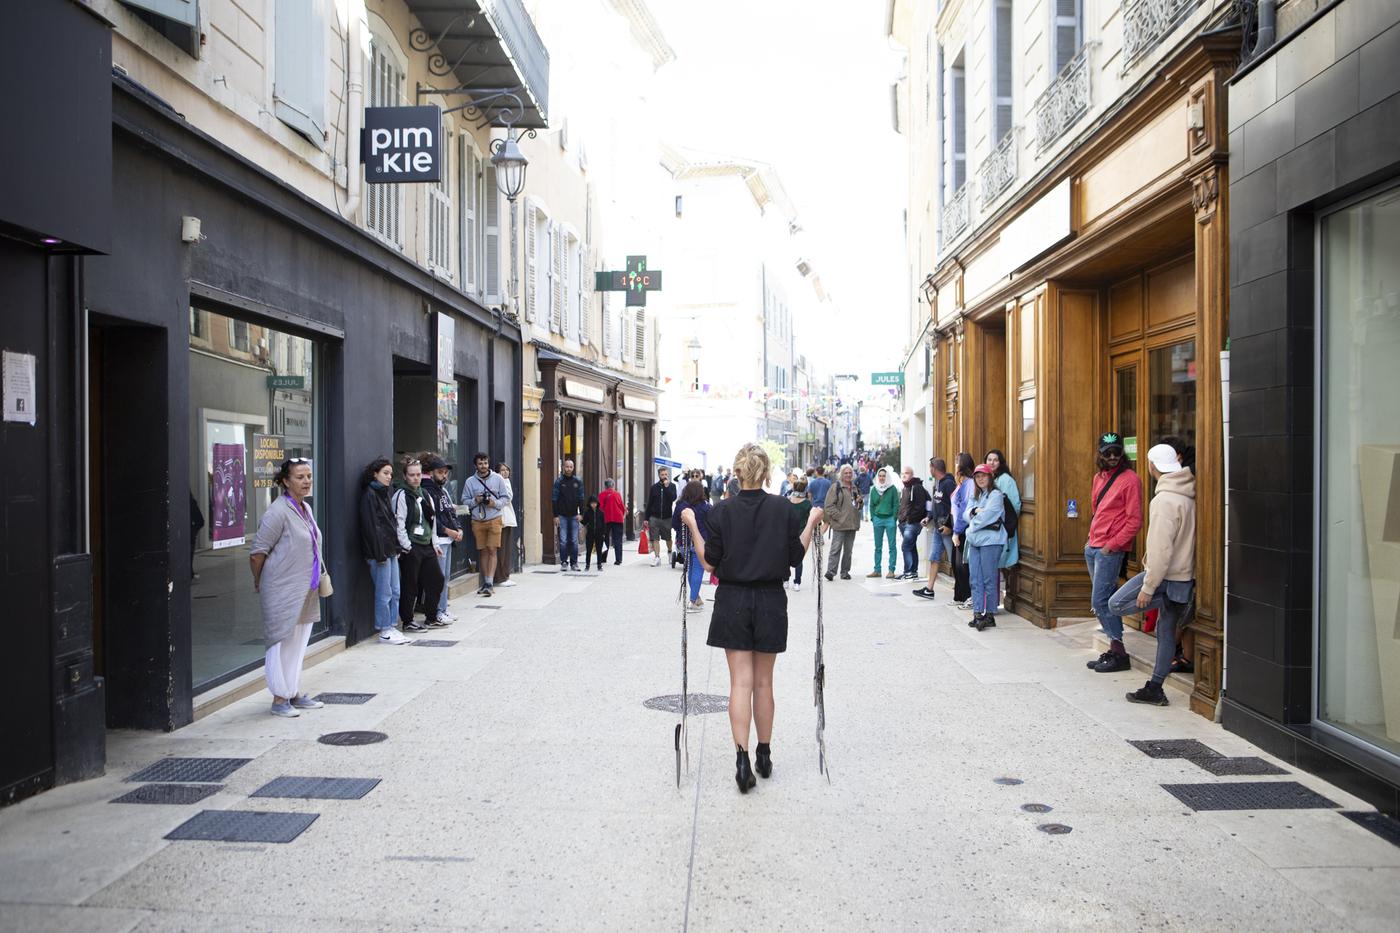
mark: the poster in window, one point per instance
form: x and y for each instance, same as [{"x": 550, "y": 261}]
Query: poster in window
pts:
[
  {"x": 269, "y": 450},
  {"x": 228, "y": 503}
]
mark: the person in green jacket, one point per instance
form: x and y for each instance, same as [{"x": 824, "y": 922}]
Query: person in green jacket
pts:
[{"x": 884, "y": 515}]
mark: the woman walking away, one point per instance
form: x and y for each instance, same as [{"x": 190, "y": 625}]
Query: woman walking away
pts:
[
  {"x": 842, "y": 510},
  {"x": 962, "y": 587},
  {"x": 1011, "y": 553},
  {"x": 693, "y": 499},
  {"x": 802, "y": 505},
  {"x": 505, "y": 557},
  {"x": 614, "y": 511},
  {"x": 288, "y": 576},
  {"x": 594, "y": 534},
  {"x": 751, "y": 541},
  {"x": 987, "y": 538},
  {"x": 418, "y": 563},
  {"x": 884, "y": 515},
  {"x": 379, "y": 543}
]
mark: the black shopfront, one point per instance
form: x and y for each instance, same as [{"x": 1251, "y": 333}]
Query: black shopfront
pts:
[
  {"x": 171, "y": 374},
  {"x": 1313, "y": 595}
]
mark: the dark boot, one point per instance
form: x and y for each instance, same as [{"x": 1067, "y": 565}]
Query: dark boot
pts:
[
  {"x": 743, "y": 771},
  {"x": 1150, "y": 693},
  {"x": 763, "y": 760}
]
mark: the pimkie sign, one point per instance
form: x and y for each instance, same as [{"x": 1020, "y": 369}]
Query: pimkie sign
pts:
[{"x": 402, "y": 144}]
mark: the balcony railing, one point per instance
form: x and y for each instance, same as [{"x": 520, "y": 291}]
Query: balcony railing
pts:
[
  {"x": 956, "y": 215},
  {"x": 1147, "y": 22},
  {"x": 997, "y": 173},
  {"x": 1063, "y": 103}
]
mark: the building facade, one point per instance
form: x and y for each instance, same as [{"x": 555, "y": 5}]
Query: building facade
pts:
[
  {"x": 1313, "y": 670},
  {"x": 1067, "y": 237}
]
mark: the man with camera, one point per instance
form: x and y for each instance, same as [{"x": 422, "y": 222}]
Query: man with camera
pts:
[{"x": 486, "y": 495}]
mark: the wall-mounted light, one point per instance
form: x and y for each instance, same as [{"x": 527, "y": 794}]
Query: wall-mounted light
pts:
[{"x": 190, "y": 230}]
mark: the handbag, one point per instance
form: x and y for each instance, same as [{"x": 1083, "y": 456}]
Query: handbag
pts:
[{"x": 325, "y": 589}]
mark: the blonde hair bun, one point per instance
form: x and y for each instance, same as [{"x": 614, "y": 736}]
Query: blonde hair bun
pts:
[{"x": 752, "y": 466}]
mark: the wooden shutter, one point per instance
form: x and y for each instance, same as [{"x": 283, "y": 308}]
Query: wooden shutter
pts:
[
  {"x": 556, "y": 279},
  {"x": 491, "y": 224},
  {"x": 299, "y": 68},
  {"x": 609, "y": 343},
  {"x": 532, "y": 264},
  {"x": 471, "y": 189},
  {"x": 585, "y": 298},
  {"x": 639, "y": 338}
]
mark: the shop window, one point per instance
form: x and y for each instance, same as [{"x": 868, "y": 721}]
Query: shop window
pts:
[
  {"x": 1028, "y": 449},
  {"x": 245, "y": 418},
  {"x": 1358, "y": 490},
  {"x": 1172, "y": 392},
  {"x": 1125, "y": 389},
  {"x": 1068, "y": 35},
  {"x": 959, "y": 133}
]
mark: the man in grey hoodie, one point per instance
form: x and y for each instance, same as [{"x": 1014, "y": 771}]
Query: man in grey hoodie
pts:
[{"x": 486, "y": 495}]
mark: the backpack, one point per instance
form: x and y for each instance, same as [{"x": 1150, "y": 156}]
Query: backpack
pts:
[{"x": 1008, "y": 519}]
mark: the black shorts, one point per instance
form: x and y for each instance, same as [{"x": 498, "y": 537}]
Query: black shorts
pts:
[{"x": 749, "y": 618}]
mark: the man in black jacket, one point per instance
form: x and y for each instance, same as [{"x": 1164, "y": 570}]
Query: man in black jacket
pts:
[
  {"x": 661, "y": 500},
  {"x": 940, "y": 520},
  {"x": 566, "y": 500},
  {"x": 447, "y": 529}
]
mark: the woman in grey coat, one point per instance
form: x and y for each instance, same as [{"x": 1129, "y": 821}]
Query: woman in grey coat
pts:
[{"x": 287, "y": 567}]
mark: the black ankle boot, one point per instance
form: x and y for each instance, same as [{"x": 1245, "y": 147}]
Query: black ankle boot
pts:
[
  {"x": 763, "y": 760},
  {"x": 743, "y": 773}
]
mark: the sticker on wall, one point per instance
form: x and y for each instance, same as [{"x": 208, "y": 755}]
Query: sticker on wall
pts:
[
  {"x": 1130, "y": 448},
  {"x": 229, "y": 503},
  {"x": 19, "y": 387}
]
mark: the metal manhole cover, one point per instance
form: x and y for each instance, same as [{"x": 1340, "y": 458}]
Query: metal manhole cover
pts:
[
  {"x": 1249, "y": 795},
  {"x": 1384, "y": 826},
  {"x": 168, "y": 793},
  {"x": 1055, "y": 829},
  {"x": 345, "y": 699},
  {"x": 1247, "y": 765},
  {"x": 189, "y": 770},
  {"x": 1036, "y": 807},
  {"x": 352, "y": 738},
  {"x": 700, "y": 703},
  {"x": 1174, "y": 748},
  {"x": 1007, "y": 781},
  {"x": 484, "y": 606},
  {"x": 431, "y": 643},
  {"x": 317, "y": 788},
  {"x": 243, "y": 826}
]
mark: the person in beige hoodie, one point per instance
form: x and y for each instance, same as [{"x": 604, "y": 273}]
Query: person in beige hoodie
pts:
[{"x": 1169, "y": 566}]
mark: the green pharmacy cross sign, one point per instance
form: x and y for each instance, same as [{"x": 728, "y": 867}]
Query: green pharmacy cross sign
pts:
[{"x": 636, "y": 281}]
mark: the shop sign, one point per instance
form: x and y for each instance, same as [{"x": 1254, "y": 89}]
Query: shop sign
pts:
[
  {"x": 446, "y": 347},
  {"x": 632, "y": 403},
  {"x": 583, "y": 390},
  {"x": 286, "y": 382},
  {"x": 402, "y": 144},
  {"x": 1130, "y": 448},
  {"x": 887, "y": 379},
  {"x": 269, "y": 450},
  {"x": 228, "y": 501}
]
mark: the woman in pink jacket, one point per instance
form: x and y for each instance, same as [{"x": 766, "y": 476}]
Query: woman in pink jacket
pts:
[{"x": 1117, "y": 507}]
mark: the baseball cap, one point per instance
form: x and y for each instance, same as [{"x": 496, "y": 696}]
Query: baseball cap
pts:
[
  {"x": 434, "y": 462},
  {"x": 1110, "y": 439},
  {"x": 985, "y": 468},
  {"x": 1163, "y": 457}
]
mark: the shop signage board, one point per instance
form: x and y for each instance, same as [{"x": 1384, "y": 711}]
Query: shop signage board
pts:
[
  {"x": 269, "y": 450},
  {"x": 887, "y": 379},
  {"x": 636, "y": 280},
  {"x": 446, "y": 348},
  {"x": 227, "y": 495},
  {"x": 286, "y": 382},
  {"x": 402, "y": 144}
]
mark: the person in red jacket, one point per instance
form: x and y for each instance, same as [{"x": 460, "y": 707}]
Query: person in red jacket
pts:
[
  {"x": 610, "y": 502},
  {"x": 1117, "y": 508}
]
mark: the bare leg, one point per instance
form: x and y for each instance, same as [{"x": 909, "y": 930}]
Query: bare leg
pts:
[
  {"x": 763, "y": 695},
  {"x": 741, "y": 665},
  {"x": 932, "y": 575},
  {"x": 488, "y": 563}
]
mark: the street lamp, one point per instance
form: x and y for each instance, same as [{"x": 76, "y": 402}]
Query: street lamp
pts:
[
  {"x": 693, "y": 345},
  {"x": 510, "y": 164}
]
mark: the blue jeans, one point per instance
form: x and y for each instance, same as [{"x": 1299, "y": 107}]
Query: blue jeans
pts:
[
  {"x": 385, "y": 575},
  {"x": 695, "y": 571},
  {"x": 884, "y": 531},
  {"x": 797, "y": 570},
  {"x": 568, "y": 541},
  {"x": 1104, "y": 567},
  {"x": 909, "y": 544},
  {"x": 982, "y": 569},
  {"x": 445, "y": 562},
  {"x": 939, "y": 546},
  {"x": 1170, "y": 601}
]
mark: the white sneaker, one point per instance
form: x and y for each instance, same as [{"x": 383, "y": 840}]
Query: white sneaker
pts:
[
  {"x": 392, "y": 636},
  {"x": 446, "y": 616},
  {"x": 506, "y": 583},
  {"x": 284, "y": 710},
  {"x": 797, "y": 587},
  {"x": 655, "y": 559}
]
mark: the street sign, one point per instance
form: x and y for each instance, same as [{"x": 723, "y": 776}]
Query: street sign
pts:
[
  {"x": 286, "y": 382},
  {"x": 402, "y": 144},
  {"x": 667, "y": 462},
  {"x": 887, "y": 379}
]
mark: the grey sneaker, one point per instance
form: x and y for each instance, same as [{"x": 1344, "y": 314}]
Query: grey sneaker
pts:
[
  {"x": 284, "y": 710},
  {"x": 305, "y": 702}
]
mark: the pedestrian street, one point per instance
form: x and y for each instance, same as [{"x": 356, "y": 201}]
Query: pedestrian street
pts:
[{"x": 977, "y": 781}]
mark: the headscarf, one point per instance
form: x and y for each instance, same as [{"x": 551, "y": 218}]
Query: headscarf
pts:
[{"x": 882, "y": 484}]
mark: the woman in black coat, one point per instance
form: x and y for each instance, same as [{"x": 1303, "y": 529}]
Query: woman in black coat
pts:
[{"x": 379, "y": 544}]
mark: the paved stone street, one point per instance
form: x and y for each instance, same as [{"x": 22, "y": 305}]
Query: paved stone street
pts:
[{"x": 523, "y": 785}]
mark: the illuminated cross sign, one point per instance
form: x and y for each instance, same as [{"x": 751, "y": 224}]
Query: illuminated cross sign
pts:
[
  {"x": 402, "y": 144},
  {"x": 636, "y": 281}
]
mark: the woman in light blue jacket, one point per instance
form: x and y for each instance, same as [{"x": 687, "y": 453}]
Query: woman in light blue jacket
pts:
[
  {"x": 1011, "y": 553},
  {"x": 986, "y": 538}
]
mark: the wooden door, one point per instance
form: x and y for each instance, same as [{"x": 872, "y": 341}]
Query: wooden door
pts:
[{"x": 1128, "y": 398}]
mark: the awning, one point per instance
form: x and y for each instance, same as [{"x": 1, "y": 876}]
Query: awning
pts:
[{"x": 485, "y": 47}]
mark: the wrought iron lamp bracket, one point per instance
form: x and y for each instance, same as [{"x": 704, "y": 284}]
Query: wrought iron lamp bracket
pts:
[
  {"x": 421, "y": 41},
  {"x": 487, "y": 106}
]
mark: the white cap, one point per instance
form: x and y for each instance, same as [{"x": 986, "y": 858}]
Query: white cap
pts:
[{"x": 1163, "y": 457}]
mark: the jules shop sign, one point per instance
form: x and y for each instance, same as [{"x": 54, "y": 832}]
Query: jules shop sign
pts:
[{"x": 402, "y": 144}]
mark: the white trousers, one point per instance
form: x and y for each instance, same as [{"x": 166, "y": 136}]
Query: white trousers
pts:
[{"x": 283, "y": 663}]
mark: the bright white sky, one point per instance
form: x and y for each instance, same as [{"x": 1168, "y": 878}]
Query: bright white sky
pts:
[{"x": 805, "y": 85}]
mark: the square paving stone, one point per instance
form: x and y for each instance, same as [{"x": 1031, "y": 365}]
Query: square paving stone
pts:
[
  {"x": 243, "y": 826},
  {"x": 317, "y": 788},
  {"x": 189, "y": 770},
  {"x": 432, "y": 643},
  {"x": 1249, "y": 795},
  {"x": 1249, "y": 765},
  {"x": 168, "y": 793},
  {"x": 345, "y": 699},
  {"x": 1174, "y": 748}
]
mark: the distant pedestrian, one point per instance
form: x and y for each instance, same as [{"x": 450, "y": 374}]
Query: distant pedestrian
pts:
[
  {"x": 694, "y": 501},
  {"x": 566, "y": 500},
  {"x": 819, "y": 485},
  {"x": 614, "y": 513},
  {"x": 883, "y": 501},
  {"x": 717, "y": 487},
  {"x": 841, "y": 513},
  {"x": 1168, "y": 574},
  {"x": 962, "y": 495},
  {"x": 288, "y": 575},
  {"x": 595, "y": 534},
  {"x": 1116, "y": 504},
  {"x": 865, "y": 478},
  {"x": 414, "y": 515},
  {"x": 913, "y": 506},
  {"x": 751, "y": 541},
  {"x": 447, "y": 529},
  {"x": 661, "y": 502},
  {"x": 379, "y": 545},
  {"x": 1011, "y": 553},
  {"x": 487, "y": 496},
  {"x": 802, "y": 505},
  {"x": 987, "y": 538},
  {"x": 505, "y": 555}
]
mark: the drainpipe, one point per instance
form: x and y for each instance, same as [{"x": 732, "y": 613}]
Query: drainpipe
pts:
[
  {"x": 355, "y": 92},
  {"x": 1267, "y": 25}
]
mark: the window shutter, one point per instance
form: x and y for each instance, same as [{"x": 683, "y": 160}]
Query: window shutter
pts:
[
  {"x": 299, "y": 75},
  {"x": 959, "y": 125},
  {"x": 177, "y": 20},
  {"x": 491, "y": 212},
  {"x": 585, "y": 300},
  {"x": 609, "y": 343},
  {"x": 532, "y": 265},
  {"x": 471, "y": 187},
  {"x": 559, "y": 270},
  {"x": 639, "y": 338},
  {"x": 628, "y": 334}
]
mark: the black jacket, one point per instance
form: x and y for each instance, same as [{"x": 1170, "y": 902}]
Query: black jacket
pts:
[
  {"x": 379, "y": 541},
  {"x": 661, "y": 501},
  {"x": 591, "y": 520},
  {"x": 445, "y": 509},
  {"x": 941, "y": 509},
  {"x": 913, "y": 503},
  {"x": 753, "y": 538},
  {"x": 567, "y": 499}
]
